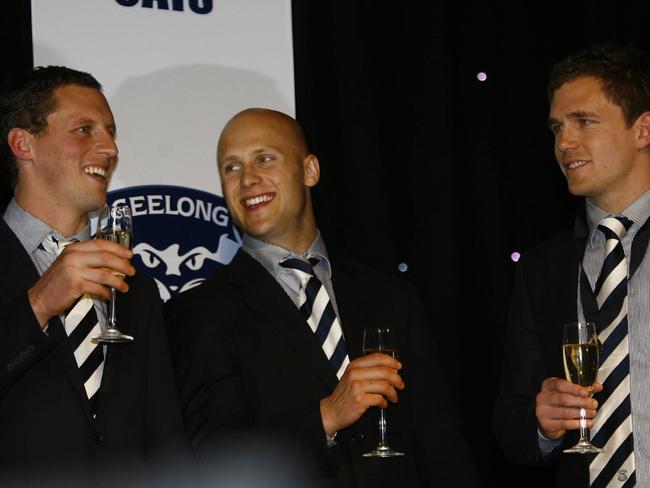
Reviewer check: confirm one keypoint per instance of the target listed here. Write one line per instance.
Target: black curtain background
(425, 165)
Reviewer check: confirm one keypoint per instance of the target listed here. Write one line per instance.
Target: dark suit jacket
(252, 374)
(544, 298)
(47, 434)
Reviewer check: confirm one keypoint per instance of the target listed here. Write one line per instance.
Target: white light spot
(515, 256)
(403, 267)
(481, 76)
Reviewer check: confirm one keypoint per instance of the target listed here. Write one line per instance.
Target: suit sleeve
(524, 369)
(23, 343)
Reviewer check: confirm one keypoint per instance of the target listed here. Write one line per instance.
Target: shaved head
(282, 123)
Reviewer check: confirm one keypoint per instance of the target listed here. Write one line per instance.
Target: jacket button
(99, 438)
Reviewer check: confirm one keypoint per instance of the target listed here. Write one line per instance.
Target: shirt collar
(638, 212)
(270, 255)
(31, 231)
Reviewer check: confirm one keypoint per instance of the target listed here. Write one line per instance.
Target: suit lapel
(263, 294)
(20, 274)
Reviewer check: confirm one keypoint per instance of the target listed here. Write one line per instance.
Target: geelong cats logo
(181, 235)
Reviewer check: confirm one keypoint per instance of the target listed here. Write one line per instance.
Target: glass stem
(382, 428)
(584, 431)
(111, 310)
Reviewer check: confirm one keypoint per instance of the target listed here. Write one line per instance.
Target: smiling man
(599, 272)
(268, 351)
(73, 412)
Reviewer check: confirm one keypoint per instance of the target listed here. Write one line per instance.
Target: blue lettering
(205, 8)
(197, 6)
(162, 4)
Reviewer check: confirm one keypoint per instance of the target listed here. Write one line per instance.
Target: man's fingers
(96, 259)
(561, 385)
(382, 373)
(565, 400)
(376, 388)
(99, 245)
(563, 413)
(597, 388)
(376, 359)
(102, 279)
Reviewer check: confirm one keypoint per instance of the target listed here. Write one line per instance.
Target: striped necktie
(315, 304)
(612, 428)
(81, 324)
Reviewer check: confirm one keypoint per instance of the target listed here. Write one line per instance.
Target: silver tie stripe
(314, 303)
(81, 324)
(612, 428)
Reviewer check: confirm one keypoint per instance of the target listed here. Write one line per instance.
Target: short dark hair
(623, 69)
(27, 100)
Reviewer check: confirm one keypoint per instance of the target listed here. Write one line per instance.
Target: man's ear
(312, 170)
(643, 140)
(20, 143)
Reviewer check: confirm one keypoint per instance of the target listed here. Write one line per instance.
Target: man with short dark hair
(74, 412)
(598, 272)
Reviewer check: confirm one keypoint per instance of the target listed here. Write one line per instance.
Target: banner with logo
(173, 71)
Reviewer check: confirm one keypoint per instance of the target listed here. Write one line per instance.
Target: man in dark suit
(600, 118)
(82, 414)
(253, 376)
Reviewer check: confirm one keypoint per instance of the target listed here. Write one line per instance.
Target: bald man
(256, 379)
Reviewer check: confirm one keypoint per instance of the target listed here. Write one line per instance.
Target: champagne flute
(116, 225)
(580, 353)
(380, 340)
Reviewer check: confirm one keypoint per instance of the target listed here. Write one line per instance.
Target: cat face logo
(176, 264)
(180, 235)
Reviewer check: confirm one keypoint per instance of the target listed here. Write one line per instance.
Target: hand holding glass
(380, 340)
(581, 362)
(114, 224)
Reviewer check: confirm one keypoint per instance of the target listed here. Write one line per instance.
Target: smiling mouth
(96, 171)
(254, 201)
(575, 164)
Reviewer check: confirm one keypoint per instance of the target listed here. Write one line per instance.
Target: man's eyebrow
(578, 114)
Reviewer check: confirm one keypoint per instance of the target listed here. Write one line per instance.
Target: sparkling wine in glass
(381, 340)
(581, 360)
(114, 224)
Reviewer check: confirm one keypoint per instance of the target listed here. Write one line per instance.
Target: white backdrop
(172, 78)
(173, 71)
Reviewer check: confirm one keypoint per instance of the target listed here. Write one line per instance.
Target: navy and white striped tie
(612, 428)
(81, 325)
(315, 304)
